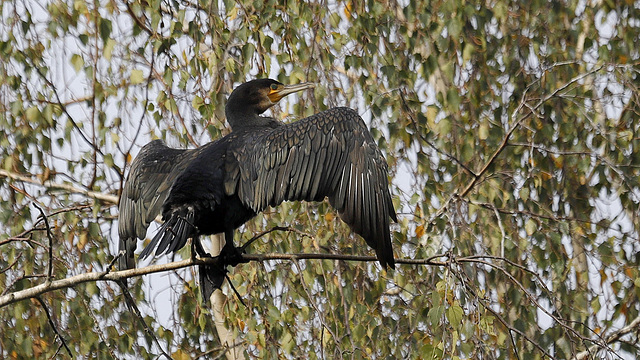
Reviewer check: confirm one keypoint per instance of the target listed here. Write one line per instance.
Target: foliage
(510, 129)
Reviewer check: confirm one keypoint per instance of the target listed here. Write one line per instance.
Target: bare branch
(12, 264)
(108, 275)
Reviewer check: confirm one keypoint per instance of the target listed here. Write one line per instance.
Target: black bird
(218, 187)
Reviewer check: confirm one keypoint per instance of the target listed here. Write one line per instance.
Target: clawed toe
(232, 255)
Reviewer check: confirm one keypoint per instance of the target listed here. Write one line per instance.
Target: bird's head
(256, 96)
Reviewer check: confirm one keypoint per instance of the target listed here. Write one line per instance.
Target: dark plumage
(263, 162)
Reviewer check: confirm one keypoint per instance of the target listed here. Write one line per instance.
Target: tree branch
(125, 274)
(50, 185)
(505, 140)
(134, 308)
(118, 276)
(614, 336)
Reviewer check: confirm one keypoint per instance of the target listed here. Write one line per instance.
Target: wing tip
(387, 260)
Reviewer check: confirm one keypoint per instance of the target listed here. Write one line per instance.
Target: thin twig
(614, 336)
(50, 237)
(497, 315)
(265, 232)
(310, 299)
(53, 325)
(96, 327)
(12, 264)
(505, 140)
(431, 144)
(63, 106)
(134, 308)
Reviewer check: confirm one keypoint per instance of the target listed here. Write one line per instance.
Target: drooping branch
(45, 219)
(134, 308)
(464, 190)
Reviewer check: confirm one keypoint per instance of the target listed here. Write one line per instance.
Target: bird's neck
(247, 118)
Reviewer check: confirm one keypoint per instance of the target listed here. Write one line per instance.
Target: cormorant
(218, 187)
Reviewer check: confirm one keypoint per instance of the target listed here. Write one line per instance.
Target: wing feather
(147, 187)
(330, 154)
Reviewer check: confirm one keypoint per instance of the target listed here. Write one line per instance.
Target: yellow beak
(284, 90)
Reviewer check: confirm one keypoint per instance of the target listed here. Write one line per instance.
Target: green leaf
(108, 49)
(435, 314)
(33, 114)
(77, 62)
(137, 76)
(454, 315)
(530, 227)
(105, 29)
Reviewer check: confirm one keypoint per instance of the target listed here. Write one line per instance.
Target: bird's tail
(173, 234)
(126, 248)
(211, 276)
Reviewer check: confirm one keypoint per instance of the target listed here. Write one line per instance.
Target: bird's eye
(274, 86)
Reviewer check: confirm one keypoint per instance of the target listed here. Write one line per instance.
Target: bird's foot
(232, 255)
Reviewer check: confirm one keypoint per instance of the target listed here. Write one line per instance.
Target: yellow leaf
(432, 113)
(629, 272)
(180, 355)
(530, 227)
(420, 231)
(108, 49)
(558, 161)
(483, 131)
(32, 114)
(233, 14)
(329, 216)
(347, 8)
(83, 240)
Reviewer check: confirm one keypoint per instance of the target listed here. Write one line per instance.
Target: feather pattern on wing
(330, 154)
(150, 179)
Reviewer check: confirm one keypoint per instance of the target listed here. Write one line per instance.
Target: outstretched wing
(152, 174)
(330, 154)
